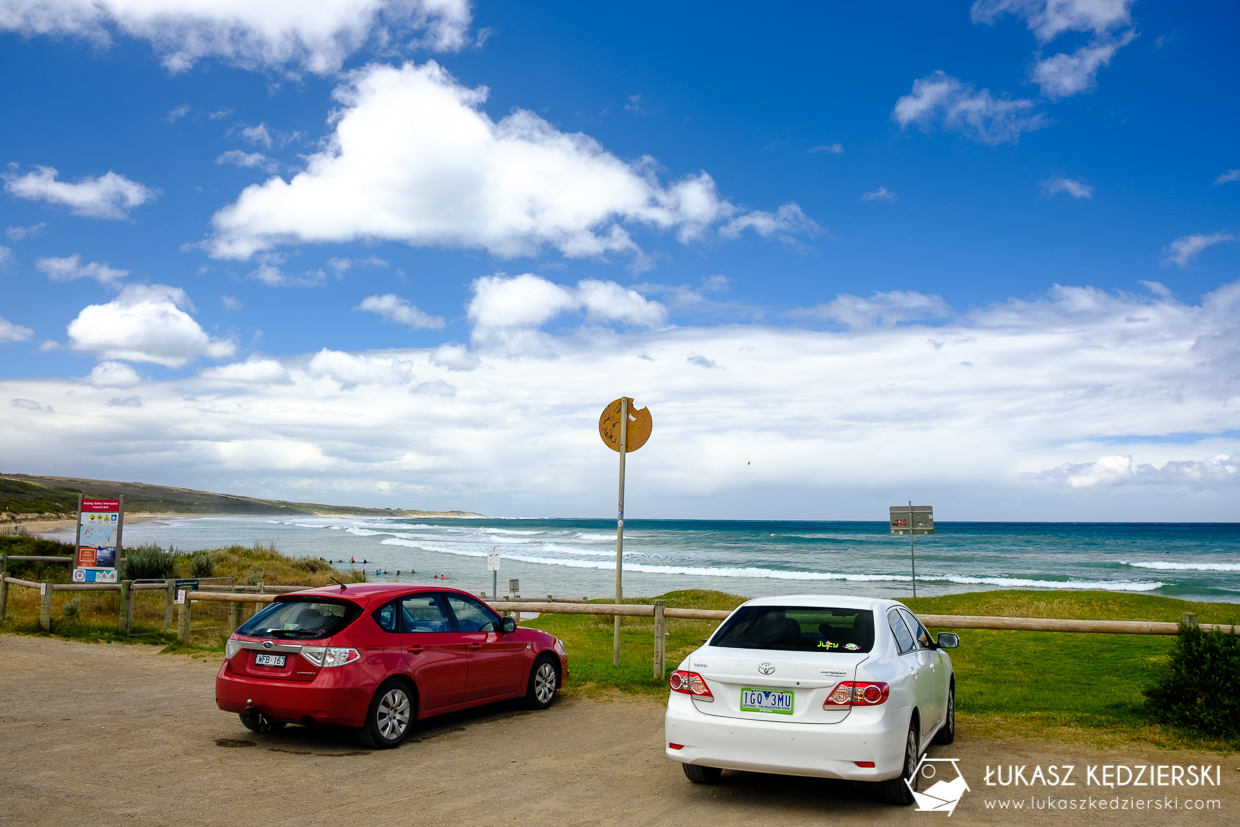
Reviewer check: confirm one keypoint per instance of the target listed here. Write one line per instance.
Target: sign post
(912, 519)
(493, 567)
(98, 540)
(623, 429)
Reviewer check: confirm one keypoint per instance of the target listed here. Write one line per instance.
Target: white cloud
(10, 332)
(1226, 178)
(316, 35)
(253, 371)
(1122, 470)
(454, 357)
(834, 149)
(635, 105)
(257, 135)
(177, 112)
(395, 309)
(1183, 250)
(6, 257)
(146, 323)
(250, 160)
(22, 233)
(415, 159)
(887, 308)
(785, 223)
(839, 424)
(71, 268)
(1064, 75)
(113, 375)
(1048, 19)
(950, 102)
(880, 194)
(507, 310)
(350, 370)
(702, 362)
(1069, 185)
(108, 196)
(30, 405)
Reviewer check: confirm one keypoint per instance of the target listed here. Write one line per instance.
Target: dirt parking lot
(104, 734)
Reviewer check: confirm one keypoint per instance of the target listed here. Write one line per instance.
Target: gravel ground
(105, 734)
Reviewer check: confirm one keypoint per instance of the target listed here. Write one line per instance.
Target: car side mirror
(947, 640)
(507, 624)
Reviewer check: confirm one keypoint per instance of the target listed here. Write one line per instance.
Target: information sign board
(98, 540)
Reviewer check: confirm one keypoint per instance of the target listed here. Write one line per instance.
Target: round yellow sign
(640, 424)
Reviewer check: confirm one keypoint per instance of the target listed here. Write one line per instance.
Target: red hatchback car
(377, 657)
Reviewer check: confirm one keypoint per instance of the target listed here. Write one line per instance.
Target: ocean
(576, 557)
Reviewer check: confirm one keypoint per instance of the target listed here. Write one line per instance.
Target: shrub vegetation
(1197, 687)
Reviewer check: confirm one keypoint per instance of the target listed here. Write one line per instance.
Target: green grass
(1083, 688)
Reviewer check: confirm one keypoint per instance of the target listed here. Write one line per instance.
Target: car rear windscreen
(798, 629)
(301, 619)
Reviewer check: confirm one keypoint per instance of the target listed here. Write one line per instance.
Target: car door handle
(415, 649)
(474, 646)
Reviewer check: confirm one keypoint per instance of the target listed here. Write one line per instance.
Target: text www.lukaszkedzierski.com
(1091, 803)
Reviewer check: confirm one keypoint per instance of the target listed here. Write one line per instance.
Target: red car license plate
(269, 660)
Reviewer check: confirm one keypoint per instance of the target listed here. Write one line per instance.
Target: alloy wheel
(392, 714)
(544, 682)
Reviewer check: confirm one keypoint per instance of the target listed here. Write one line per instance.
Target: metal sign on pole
(98, 539)
(493, 567)
(623, 429)
(912, 519)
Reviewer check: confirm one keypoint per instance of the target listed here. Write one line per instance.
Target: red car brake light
(690, 683)
(859, 693)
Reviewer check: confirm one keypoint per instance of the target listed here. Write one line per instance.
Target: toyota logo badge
(766, 668)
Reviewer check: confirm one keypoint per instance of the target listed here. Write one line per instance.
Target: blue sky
(401, 252)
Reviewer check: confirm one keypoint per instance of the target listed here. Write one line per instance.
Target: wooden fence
(659, 611)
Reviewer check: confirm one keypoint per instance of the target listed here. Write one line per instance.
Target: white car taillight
(231, 648)
(328, 656)
(861, 693)
(690, 683)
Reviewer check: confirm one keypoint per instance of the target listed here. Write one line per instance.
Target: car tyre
(390, 716)
(947, 732)
(268, 725)
(544, 680)
(895, 790)
(701, 775)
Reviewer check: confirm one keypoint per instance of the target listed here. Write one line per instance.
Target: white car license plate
(269, 660)
(766, 700)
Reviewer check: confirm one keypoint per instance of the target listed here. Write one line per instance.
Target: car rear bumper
(821, 750)
(336, 696)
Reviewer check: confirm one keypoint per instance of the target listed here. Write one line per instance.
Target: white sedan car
(818, 685)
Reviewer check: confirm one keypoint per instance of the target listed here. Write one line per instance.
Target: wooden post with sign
(126, 623)
(45, 605)
(170, 595)
(623, 429)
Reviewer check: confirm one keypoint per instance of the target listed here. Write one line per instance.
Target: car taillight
(231, 648)
(858, 693)
(690, 683)
(329, 656)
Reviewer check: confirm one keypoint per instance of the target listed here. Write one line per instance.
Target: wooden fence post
(45, 606)
(4, 586)
(185, 618)
(258, 607)
(126, 622)
(1190, 620)
(170, 595)
(234, 616)
(660, 639)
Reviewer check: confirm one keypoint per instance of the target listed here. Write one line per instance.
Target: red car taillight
(860, 693)
(690, 683)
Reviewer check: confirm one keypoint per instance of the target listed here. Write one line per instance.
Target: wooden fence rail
(658, 611)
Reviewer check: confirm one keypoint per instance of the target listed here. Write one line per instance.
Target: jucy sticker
(766, 700)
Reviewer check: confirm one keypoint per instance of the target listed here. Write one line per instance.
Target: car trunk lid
(777, 686)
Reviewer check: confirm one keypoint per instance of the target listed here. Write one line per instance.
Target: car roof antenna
(342, 586)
